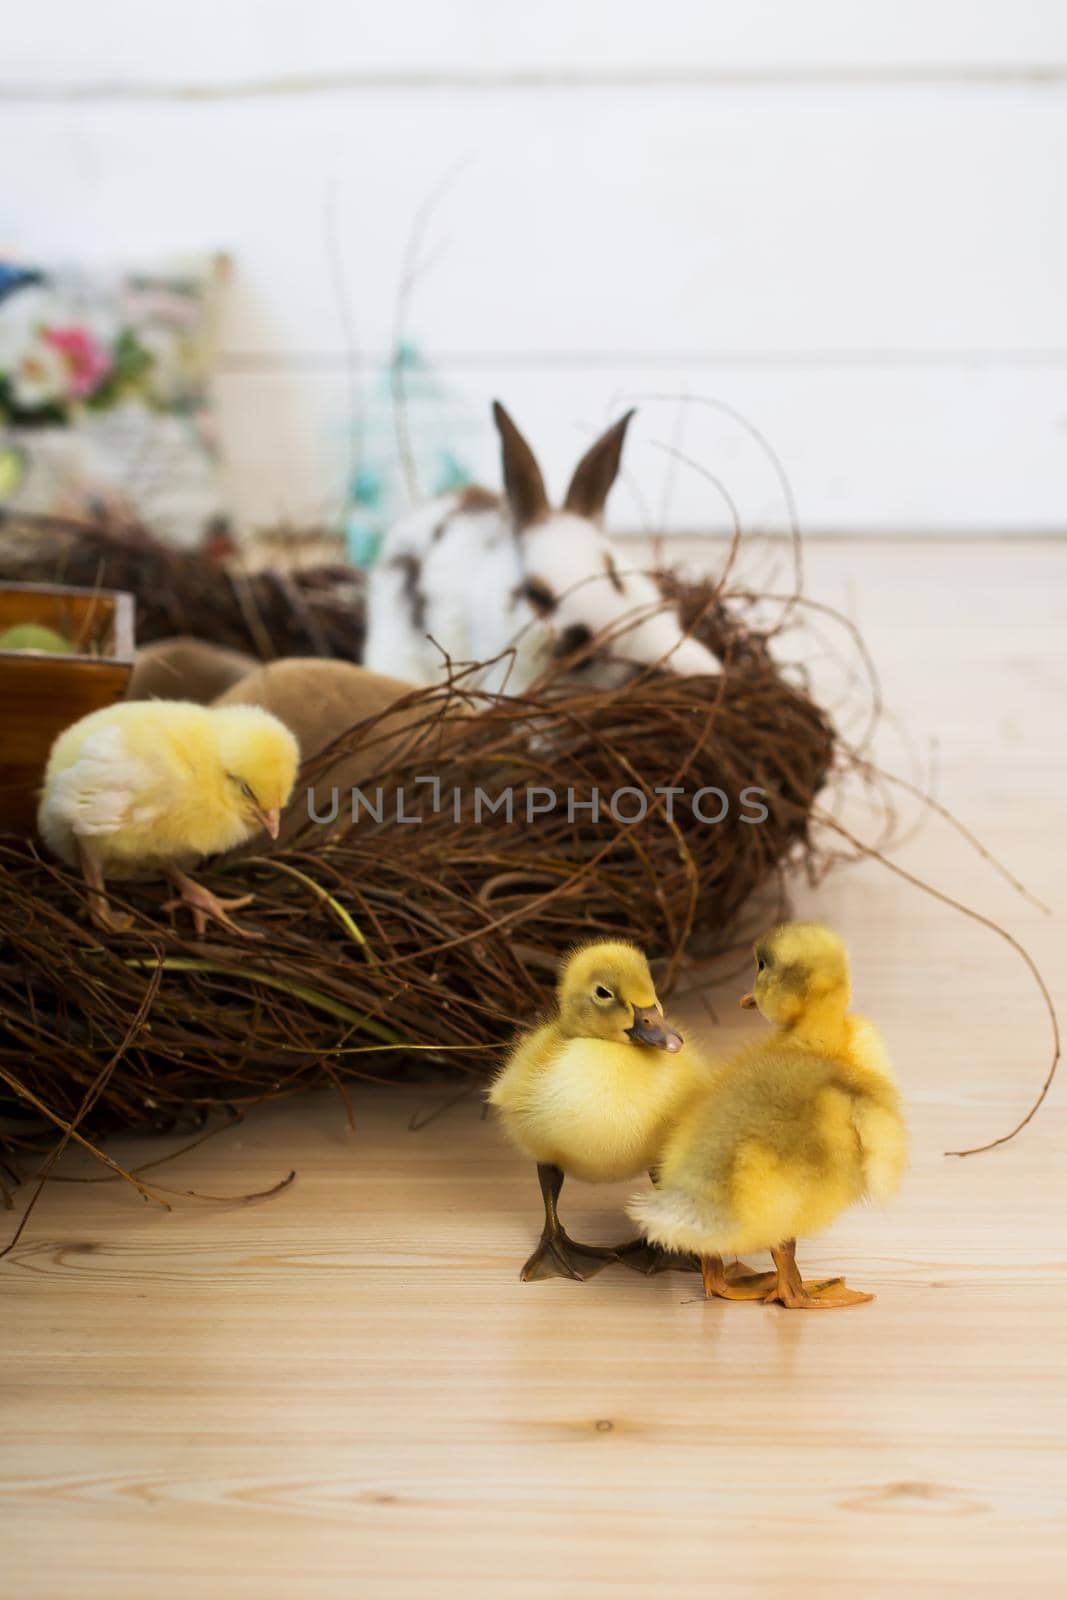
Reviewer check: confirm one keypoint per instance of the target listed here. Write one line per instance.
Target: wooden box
(40, 695)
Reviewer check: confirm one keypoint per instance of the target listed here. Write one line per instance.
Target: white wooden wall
(847, 220)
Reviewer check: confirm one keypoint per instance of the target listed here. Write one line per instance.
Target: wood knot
(907, 1496)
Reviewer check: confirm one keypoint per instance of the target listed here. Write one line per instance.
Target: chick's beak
(650, 1028)
(271, 819)
(747, 1002)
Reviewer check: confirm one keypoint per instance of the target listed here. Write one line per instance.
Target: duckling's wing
(868, 1049)
(528, 1057)
(883, 1142)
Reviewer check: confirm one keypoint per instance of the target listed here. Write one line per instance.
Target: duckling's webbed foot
(557, 1255)
(735, 1282)
(640, 1256)
(791, 1291)
(828, 1296)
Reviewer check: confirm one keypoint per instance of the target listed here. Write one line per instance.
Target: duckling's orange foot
(744, 1284)
(557, 1256)
(832, 1294)
(640, 1256)
(735, 1282)
(792, 1292)
(204, 904)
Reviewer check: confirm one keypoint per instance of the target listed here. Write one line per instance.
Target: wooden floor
(344, 1393)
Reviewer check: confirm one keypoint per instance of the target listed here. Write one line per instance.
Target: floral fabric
(104, 407)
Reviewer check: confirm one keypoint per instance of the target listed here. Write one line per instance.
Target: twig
(1002, 933)
(412, 269)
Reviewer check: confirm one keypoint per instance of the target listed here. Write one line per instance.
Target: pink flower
(87, 361)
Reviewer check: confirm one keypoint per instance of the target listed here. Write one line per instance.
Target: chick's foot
(107, 919)
(204, 904)
(100, 911)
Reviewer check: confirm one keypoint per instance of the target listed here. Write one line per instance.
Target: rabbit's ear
(596, 472)
(523, 483)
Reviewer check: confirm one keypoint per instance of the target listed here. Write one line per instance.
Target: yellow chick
(152, 786)
(591, 1092)
(788, 1134)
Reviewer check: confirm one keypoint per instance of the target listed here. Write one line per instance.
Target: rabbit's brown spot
(613, 573)
(539, 595)
(571, 640)
(475, 498)
(411, 568)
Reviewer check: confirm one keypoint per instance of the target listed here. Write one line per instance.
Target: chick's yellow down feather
(787, 1134)
(153, 786)
(591, 1092)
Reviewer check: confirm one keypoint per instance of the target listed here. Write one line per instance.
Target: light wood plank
(345, 1391)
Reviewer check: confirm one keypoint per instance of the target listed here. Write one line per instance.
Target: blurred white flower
(22, 315)
(39, 377)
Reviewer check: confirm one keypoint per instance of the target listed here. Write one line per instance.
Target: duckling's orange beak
(650, 1028)
(271, 819)
(747, 1002)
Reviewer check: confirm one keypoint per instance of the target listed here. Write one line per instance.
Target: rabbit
(475, 577)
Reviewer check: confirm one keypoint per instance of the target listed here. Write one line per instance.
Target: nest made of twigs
(391, 938)
(391, 943)
(269, 614)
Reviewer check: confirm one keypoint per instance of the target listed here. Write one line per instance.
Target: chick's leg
(204, 904)
(792, 1292)
(558, 1256)
(99, 907)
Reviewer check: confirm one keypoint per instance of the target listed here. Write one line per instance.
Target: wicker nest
(269, 614)
(391, 937)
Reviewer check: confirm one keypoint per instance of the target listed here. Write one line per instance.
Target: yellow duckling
(788, 1134)
(592, 1091)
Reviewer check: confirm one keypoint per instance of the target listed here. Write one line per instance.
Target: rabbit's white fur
(468, 578)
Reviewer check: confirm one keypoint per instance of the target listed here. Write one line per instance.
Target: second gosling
(790, 1132)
